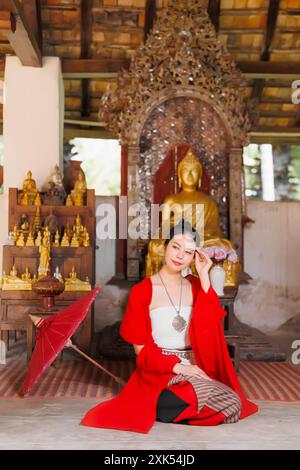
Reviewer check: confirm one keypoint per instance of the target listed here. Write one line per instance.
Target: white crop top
(164, 335)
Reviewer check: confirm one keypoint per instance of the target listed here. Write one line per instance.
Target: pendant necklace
(179, 322)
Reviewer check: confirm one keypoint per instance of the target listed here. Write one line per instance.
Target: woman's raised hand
(191, 370)
(203, 262)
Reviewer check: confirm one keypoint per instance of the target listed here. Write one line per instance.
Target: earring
(179, 182)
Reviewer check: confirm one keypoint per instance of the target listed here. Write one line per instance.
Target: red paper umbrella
(54, 334)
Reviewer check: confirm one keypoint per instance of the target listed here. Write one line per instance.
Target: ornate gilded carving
(182, 57)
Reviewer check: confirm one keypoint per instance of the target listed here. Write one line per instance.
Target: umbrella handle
(117, 379)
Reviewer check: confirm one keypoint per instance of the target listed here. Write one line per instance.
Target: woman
(184, 373)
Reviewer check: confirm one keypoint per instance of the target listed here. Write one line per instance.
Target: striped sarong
(212, 393)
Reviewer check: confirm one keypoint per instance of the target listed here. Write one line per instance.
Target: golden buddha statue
(86, 238)
(21, 240)
(56, 239)
(37, 200)
(78, 227)
(38, 240)
(65, 240)
(29, 191)
(44, 251)
(72, 283)
(47, 234)
(26, 275)
(75, 241)
(25, 200)
(30, 240)
(184, 205)
(13, 273)
(15, 234)
(79, 190)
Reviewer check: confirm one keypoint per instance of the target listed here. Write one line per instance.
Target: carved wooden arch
(234, 156)
(157, 99)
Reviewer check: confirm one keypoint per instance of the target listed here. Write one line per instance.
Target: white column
(33, 122)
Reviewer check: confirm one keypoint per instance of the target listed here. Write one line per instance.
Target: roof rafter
(150, 12)
(273, 10)
(23, 39)
(213, 10)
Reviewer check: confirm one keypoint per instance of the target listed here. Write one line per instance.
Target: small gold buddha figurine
(13, 273)
(79, 190)
(30, 240)
(86, 238)
(21, 240)
(15, 234)
(38, 240)
(72, 283)
(37, 200)
(75, 241)
(25, 200)
(26, 275)
(78, 227)
(193, 205)
(56, 239)
(29, 190)
(47, 234)
(232, 269)
(69, 201)
(65, 240)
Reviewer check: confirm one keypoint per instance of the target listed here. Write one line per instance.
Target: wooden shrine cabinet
(16, 305)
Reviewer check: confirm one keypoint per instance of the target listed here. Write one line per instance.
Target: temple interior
(118, 118)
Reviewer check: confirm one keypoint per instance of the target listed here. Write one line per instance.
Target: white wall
(32, 120)
(33, 116)
(272, 258)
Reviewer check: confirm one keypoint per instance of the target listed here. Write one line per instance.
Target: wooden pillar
(132, 193)
(235, 200)
(121, 260)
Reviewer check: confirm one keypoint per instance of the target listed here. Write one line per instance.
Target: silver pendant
(179, 323)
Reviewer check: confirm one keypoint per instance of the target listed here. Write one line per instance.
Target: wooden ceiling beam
(32, 10)
(276, 131)
(269, 68)
(150, 13)
(213, 10)
(85, 51)
(270, 30)
(22, 40)
(103, 68)
(273, 10)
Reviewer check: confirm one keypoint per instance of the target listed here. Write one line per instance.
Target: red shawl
(134, 409)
